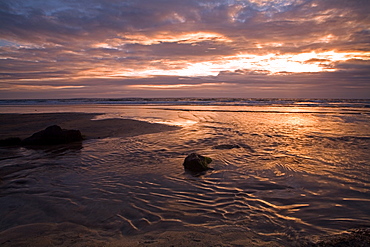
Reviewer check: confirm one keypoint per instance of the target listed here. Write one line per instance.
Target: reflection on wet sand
(278, 178)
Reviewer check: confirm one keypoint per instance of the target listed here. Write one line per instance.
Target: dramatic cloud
(173, 48)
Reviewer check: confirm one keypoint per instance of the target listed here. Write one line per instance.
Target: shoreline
(24, 125)
(71, 234)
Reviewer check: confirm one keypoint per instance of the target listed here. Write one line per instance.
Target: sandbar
(24, 125)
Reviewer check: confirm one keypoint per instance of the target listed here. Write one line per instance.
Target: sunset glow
(110, 48)
(271, 63)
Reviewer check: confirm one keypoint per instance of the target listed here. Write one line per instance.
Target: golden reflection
(178, 122)
(297, 120)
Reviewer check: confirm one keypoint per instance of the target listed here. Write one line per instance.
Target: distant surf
(357, 103)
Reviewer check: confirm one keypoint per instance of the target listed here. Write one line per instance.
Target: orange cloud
(177, 86)
(162, 37)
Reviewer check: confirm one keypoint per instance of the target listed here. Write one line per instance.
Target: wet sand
(69, 234)
(24, 125)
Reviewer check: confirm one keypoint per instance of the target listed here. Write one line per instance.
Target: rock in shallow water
(53, 135)
(196, 163)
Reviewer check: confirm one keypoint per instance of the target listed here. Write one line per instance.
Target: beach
(281, 176)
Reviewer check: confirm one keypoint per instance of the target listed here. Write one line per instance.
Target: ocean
(283, 169)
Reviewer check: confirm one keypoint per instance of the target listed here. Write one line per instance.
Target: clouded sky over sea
(184, 48)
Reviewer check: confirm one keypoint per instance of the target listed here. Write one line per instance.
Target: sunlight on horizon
(241, 64)
(310, 62)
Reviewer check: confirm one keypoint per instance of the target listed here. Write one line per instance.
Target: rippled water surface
(282, 173)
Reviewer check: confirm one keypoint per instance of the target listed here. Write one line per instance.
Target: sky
(184, 48)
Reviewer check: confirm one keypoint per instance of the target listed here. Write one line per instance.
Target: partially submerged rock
(196, 163)
(53, 135)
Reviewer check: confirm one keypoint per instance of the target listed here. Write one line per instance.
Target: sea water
(282, 169)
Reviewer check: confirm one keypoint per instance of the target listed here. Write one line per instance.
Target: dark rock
(53, 135)
(196, 163)
(12, 141)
